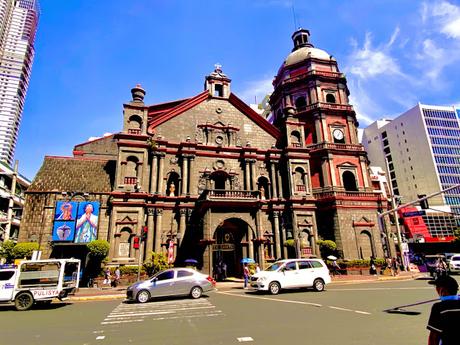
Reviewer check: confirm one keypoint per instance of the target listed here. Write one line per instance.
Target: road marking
(294, 302)
(242, 339)
(161, 310)
(380, 289)
(101, 337)
(271, 299)
(339, 308)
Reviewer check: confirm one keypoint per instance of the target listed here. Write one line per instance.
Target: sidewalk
(107, 293)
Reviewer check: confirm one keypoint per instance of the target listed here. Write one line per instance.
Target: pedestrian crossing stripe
(162, 310)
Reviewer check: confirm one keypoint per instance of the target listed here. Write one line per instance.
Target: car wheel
(318, 285)
(196, 292)
(23, 301)
(143, 296)
(274, 288)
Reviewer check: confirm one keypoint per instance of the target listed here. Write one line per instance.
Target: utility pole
(9, 218)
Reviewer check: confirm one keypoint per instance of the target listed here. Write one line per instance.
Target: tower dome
(303, 49)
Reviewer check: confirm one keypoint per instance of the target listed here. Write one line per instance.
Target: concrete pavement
(107, 293)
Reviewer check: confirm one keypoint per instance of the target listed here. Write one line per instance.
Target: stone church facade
(208, 178)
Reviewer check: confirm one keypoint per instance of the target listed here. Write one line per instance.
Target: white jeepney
(38, 281)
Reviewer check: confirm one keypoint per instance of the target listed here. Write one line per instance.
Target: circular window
(219, 140)
(218, 110)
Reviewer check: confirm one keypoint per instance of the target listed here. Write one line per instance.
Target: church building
(209, 179)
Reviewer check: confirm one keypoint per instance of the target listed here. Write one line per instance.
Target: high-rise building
(421, 151)
(18, 25)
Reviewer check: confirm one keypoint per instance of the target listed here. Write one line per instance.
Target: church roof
(159, 118)
(74, 175)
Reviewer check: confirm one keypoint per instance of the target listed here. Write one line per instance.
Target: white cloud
(369, 61)
(446, 17)
(256, 90)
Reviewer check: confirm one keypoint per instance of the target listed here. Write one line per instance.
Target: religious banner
(171, 252)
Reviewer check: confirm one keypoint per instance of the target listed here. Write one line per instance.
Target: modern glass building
(420, 150)
(18, 25)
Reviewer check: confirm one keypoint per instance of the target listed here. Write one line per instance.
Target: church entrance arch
(230, 247)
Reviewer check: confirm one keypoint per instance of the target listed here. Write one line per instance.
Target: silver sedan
(171, 282)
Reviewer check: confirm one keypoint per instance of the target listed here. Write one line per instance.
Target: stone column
(253, 174)
(273, 193)
(153, 174)
(247, 185)
(351, 130)
(325, 171)
(280, 182)
(276, 223)
(160, 174)
(158, 230)
(182, 225)
(151, 230)
(319, 132)
(330, 162)
(193, 186)
(185, 175)
(365, 172)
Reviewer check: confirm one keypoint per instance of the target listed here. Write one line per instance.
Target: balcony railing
(130, 180)
(335, 146)
(296, 144)
(327, 74)
(213, 194)
(324, 193)
(328, 106)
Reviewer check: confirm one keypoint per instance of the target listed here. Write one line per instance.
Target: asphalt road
(344, 314)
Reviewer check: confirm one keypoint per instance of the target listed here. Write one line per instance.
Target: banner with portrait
(76, 221)
(87, 222)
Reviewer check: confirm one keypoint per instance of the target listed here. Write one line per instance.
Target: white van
(291, 273)
(41, 281)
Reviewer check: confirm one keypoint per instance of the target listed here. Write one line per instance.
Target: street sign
(414, 214)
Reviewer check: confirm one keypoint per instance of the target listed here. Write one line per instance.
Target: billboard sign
(75, 221)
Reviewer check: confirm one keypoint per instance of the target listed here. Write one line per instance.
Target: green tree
(24, 250)
(6, 251)
(98, 249)
(156, 262)
(327, 247)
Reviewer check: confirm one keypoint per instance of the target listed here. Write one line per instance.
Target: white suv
(454, 263)
(291, 273)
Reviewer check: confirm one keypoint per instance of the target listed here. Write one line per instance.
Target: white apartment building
(18, 25)
(421, 151)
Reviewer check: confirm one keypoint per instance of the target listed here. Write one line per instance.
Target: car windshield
(455, 258)
(274, 267)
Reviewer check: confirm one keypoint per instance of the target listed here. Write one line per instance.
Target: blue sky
(90, 53)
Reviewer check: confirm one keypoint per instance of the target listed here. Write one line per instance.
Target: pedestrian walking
(444, 316)
(394, 267)
(245, 275)
(224, 270)
(117, 279)
(372, 267)
(335, 268)
(257, 268)
(107, 276)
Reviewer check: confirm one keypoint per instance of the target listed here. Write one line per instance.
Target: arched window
(124, 246)
(264, 188)
(131, 170)
(295, 138)
(219, 179)
(172, 186)
(330, 98)
(300, 103)
(349, 181)
(135, 124)
(300, 180)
